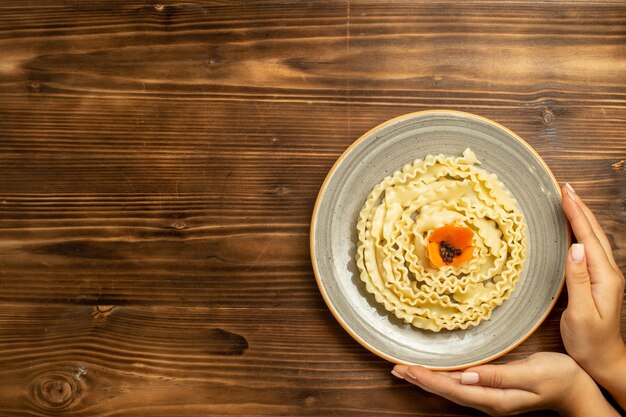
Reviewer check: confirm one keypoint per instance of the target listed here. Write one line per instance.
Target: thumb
(577, 278)
(511, 375)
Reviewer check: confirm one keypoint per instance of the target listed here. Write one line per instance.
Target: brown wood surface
(159, 163)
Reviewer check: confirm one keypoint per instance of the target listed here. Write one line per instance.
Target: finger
(595, 226)
(451, 374)
(399, 371)
(580, 297)
(596, 257)
(512, 375)
(468, 395)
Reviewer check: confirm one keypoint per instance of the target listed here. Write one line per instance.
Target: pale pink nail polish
(569, 187)
(469, 378)
(578, 252)
(396, 374)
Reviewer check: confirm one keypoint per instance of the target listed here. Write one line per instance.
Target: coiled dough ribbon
(394, 227)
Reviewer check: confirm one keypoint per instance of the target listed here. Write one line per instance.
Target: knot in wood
(281, 191)
(159, 7)
(548, 117)
(102, 311)
(55, 391)
(179, 224)
(35, 87)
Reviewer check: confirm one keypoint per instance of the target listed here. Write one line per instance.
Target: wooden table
(159, 163)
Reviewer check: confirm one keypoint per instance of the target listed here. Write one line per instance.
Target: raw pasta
(394, 227)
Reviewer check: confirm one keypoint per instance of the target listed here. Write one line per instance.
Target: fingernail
(578, 252)
(469, 378)
(396, 374)
(569, 187)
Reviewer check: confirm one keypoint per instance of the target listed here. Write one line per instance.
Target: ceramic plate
(386, 149)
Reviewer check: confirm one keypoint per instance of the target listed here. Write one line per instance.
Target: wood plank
(159, 361)
(518, 54)
(113, 217)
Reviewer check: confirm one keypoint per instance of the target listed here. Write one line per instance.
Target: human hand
(541, 381)
(590, 326)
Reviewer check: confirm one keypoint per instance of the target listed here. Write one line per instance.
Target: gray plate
(386, 149)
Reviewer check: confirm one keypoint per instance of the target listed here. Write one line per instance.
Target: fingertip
(470, 378)
(397, 374)
(576, 263)
(401, 369)
(571, 208)
(494, 376)
(577, 253)
(477, 375)
(577, 276)
(564, 190)
(571, 198)
(566, 198)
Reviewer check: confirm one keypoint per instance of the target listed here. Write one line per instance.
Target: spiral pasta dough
(397, 222)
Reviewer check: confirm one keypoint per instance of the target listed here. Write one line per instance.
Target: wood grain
(222, 361)
(159, 164)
